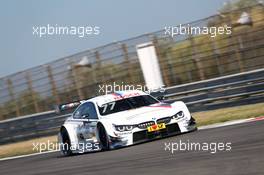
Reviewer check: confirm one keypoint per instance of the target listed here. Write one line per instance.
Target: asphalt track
(245, 158)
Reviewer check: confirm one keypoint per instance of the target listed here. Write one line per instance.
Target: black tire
(66, 148)
(103, 138)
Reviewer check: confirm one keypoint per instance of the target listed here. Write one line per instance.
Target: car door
(78, 121)
(89, 116)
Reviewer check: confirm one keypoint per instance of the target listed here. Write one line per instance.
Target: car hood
(139, 115)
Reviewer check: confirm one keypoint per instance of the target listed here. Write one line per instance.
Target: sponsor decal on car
(156, 127)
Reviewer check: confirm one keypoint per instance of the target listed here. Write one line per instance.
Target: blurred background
(183, 59)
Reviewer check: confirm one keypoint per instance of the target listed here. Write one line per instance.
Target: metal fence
(226, 91)
(182, 58)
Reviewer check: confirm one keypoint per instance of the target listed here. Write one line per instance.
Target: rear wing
(68, 106)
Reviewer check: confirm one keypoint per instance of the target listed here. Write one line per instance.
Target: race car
(121, 119)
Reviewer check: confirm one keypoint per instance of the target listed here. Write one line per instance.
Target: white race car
(121, 119)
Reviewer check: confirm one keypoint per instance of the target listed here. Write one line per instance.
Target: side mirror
(159, 95)
(160, 98)
(85, 116)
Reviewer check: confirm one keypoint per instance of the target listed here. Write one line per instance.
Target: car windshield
(126, 104)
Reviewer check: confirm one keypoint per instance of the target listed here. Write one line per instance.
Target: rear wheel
(66, 146)
(103, 138)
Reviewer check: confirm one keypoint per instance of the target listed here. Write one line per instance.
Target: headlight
(122, 128)
(179, 115)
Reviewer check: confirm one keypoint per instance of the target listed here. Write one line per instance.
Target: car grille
(165, 120)
(145, 124)
(144, 135)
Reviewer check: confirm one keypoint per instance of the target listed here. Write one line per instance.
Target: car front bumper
(143, 135)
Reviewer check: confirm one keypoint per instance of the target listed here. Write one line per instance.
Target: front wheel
(104, 140)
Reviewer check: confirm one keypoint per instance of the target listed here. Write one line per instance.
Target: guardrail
(227, 91)
(233, 90)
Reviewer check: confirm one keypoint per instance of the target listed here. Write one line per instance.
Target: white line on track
(27, 155)
(216, 125)
(228, 123)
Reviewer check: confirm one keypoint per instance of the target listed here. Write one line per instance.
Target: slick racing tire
(66, 148)
(104, 140)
